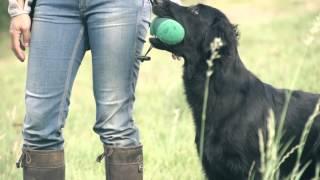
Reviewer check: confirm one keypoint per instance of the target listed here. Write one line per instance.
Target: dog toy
(167, 30)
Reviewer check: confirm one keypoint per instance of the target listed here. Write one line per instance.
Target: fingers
(26, 37)
(20, 35)
(15, 44)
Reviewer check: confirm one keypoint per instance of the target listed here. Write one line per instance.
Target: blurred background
(271, 46)
(4, 18)
(4, 26)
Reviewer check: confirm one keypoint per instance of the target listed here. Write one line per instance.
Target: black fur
(32, 6)
(238, 102)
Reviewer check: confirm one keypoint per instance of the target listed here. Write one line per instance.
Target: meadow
(271, 46)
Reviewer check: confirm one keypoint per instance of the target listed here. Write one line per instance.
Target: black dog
(238, 102)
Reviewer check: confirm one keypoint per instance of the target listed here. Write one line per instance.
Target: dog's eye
(194, 10)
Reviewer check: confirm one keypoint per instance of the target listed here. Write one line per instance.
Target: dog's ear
(224, 30)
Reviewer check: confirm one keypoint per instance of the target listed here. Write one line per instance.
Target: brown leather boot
(42, 164)
(123, 163)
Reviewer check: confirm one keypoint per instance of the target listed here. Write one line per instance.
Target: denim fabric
(61, 33)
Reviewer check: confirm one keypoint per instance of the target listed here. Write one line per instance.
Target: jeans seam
(131, 88)
(68, 78)
(139, 18)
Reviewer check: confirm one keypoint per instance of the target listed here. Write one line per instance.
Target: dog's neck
(229, 73)
(229, 82)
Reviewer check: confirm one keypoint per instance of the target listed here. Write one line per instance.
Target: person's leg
(113, 30)
(143, 27)
(56, 51)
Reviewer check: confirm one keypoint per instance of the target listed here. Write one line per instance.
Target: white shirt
(14, 9)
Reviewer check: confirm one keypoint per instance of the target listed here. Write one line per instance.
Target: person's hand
(20, 35)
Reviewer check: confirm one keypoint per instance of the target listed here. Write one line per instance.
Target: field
(271, 46)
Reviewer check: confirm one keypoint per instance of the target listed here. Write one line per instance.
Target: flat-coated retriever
(239, 103)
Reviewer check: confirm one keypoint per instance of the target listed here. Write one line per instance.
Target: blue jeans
(62, 31)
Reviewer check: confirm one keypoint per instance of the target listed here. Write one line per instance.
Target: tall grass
(271, 159)
(161, 112)
(215, 45)
(272, 153)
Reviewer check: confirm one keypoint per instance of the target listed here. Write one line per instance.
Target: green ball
(167, 30)
(155, 25)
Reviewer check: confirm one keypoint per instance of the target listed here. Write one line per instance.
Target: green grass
(270, 46)
(4, 15)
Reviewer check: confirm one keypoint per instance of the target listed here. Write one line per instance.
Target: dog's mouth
(157, 43)
(162, 9)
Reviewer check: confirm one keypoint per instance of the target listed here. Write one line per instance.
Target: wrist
(18, 13)
(18, 7)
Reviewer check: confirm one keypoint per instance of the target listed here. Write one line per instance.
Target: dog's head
(202, 24)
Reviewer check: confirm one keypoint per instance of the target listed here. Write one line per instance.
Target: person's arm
(20, 26)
